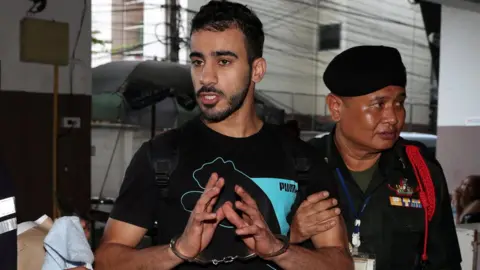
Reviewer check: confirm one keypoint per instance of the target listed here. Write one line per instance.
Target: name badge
(7, 207)
(364, 262)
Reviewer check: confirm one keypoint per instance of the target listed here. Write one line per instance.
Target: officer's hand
(202, 222)
(315, 215)
(251, 226)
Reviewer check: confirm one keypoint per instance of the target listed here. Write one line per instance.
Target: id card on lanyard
(362, 261)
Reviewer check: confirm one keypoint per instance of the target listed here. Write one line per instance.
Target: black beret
(363, 70)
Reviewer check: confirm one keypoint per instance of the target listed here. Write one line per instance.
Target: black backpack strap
(164, 159)
(163, 155)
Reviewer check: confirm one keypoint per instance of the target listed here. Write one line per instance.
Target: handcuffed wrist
(286, 244)
(173, 248)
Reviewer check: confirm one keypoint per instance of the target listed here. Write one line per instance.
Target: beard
(235, 102)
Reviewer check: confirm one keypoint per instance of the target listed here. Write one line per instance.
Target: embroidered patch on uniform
(403, 189)
(405, 202)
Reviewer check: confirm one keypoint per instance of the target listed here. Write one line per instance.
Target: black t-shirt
(8, 222)
(258, 163)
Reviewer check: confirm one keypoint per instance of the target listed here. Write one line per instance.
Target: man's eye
(378, 105)
(224, 62)
(196, 63)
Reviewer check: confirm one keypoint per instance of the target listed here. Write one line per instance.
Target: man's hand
(251, 226)
(314, 216)
(202, 222)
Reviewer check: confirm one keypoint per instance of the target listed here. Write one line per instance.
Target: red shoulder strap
(427, 189)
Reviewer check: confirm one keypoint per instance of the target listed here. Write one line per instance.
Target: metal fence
(314, 107)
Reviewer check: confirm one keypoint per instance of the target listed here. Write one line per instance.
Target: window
(329, 36)
(133, 39)
(132, 2)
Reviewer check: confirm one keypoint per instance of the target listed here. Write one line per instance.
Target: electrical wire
(75, 46)
(73, 61)
(306, 47)
(268, 13)
(401, 39)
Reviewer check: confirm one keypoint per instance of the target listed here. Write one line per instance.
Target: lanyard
(357, 215)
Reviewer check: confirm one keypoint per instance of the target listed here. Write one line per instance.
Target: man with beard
(236, 184)
(393, 194)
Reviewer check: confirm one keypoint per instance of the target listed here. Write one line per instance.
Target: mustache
(206, 90)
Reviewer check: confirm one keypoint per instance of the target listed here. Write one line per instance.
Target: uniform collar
(388, 157)
(389, 163)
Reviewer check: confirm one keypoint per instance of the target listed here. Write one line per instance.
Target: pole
(173, 42)
(173, 46)
(55, 213)
(315, 51)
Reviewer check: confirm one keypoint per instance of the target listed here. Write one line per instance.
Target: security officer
(393, 195)
(8, 222)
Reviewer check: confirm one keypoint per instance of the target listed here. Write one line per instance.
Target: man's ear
(259, 67)
(335, 104)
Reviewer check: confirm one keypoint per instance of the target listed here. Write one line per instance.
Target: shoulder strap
(163, 155)
(164, 159)
(427, 188)
(424, 178)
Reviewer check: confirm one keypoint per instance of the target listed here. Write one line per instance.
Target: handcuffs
(229, 259)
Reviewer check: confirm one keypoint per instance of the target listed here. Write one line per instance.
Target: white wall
(29, 77)
(104, 139)
(459, 93)
(457, 147)
(290, 47)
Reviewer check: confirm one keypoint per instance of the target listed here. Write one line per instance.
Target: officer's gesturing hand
(251, 226)
(202, 222)
(315, 215)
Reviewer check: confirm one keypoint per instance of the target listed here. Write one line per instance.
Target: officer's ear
(335, 105)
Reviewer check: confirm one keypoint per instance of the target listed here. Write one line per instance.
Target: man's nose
(390, 115)
(209, 75)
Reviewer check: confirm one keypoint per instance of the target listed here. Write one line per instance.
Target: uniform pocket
(406, 219)
(406, 227)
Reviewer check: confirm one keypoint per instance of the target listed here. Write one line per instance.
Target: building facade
(302, 36)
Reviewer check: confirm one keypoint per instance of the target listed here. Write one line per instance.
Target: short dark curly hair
(222, 15)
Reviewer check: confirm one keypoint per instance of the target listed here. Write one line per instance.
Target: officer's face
(222, 76)
(373, 121)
